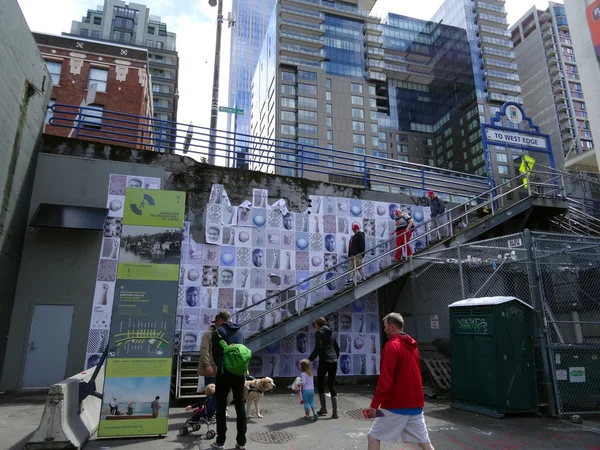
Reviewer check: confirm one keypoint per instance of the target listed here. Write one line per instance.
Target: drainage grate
(356, 414)
(272, 437)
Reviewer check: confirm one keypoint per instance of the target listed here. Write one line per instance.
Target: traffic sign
(225, 109)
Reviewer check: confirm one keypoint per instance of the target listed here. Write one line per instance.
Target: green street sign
(225, 109)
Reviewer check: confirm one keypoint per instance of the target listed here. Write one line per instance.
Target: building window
(402, 138)
(92, 116)
(288, 129)
(356, 100)
(288, 102)
(100, 77)
(309, 89)
(307, 76)
(328, 108)
(54, 67)
(95, 34)
(402, 148)
(329, 135)
(357, 88)
(373, 103)
(328, 83)
(359, 139)
(358, 126)
(83, 32)
(329, 122)
(502, 157)
(358, 113)
(307, 102)
(328, 96)
(375, 129)
(127, 37)
(372, 90)
(288, 89)
(288, 115)
(149, 43)
(116, 35)
(308, 129)
(503, 170)
(160, 45)
(288, 76)
(151, 30)
(307, 115)
(97, 20)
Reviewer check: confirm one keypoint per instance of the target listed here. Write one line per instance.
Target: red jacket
(400, 385)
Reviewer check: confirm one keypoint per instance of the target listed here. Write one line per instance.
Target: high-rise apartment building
(494, 67)
(552, 90)
(584, 21)
(332, 76)
(132, 24)
(251, 20)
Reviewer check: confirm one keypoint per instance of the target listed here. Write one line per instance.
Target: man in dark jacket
(328, 351)
(438, 208)
(231, 333)
(355, 254)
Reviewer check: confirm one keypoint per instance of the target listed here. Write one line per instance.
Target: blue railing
(284, 157)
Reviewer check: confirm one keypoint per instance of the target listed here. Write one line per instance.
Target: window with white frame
(54, 67)
(92, 116)
(98, 76)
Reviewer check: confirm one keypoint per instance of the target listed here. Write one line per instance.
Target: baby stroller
(204, 413)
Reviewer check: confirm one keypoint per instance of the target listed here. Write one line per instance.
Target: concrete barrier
(66, 422)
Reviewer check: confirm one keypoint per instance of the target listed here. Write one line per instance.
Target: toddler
(308, 389)
(205, 408)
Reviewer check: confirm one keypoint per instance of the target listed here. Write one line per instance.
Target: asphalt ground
(283, 427)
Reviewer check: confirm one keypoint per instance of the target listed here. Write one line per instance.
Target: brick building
(122, 80)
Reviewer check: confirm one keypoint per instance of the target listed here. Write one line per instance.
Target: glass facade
(252, 18)
(344, 47)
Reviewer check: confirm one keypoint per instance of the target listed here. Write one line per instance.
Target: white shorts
(393, 426)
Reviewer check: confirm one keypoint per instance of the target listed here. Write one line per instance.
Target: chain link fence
(567, 270)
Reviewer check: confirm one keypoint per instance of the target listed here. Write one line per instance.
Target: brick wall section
(127, 93)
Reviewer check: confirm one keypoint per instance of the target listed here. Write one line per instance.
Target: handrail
(263, 154)
(426, 226)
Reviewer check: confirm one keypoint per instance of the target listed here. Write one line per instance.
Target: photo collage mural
(259, 248)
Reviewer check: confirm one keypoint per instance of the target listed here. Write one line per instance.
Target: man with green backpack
(231, 357)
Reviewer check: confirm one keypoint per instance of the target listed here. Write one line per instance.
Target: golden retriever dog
(254, 390)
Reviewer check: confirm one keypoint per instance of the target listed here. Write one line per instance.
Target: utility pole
(214, 106)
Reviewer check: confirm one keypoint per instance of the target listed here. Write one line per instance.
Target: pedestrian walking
(397, 405)
(328, 352)
(356, 248)
(231, 333)
(438, 208)
(403, 232)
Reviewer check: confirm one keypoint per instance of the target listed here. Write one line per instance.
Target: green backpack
(236, 357)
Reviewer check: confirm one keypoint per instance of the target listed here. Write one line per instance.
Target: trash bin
(577, 377)
(493, 369)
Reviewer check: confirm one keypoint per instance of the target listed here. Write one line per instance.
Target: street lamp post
(214, 107)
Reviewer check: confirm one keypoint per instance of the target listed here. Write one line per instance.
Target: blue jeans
(308, 395)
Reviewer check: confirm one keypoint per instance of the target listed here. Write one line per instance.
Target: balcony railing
(259, 154)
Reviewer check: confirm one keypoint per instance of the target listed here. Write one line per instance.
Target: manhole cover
(272, 437)
(356, 414)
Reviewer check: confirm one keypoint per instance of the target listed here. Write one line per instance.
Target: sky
(194, 21)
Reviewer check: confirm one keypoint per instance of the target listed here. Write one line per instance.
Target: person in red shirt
(397, 404)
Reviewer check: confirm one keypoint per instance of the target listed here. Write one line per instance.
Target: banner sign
(593, 17)
(140, 347)
(515, 138)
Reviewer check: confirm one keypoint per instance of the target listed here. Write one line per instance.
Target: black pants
(328, 369)
(225, 382)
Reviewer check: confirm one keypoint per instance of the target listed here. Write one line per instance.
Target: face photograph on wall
(288, 221)
(117, 185)
(330, 243)
(192, 296)
(189, 341)
(302, 343)
(226, 277)
(213, 234)
(135, 182)
(345, 364)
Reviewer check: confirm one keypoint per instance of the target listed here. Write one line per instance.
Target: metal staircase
(545, 196)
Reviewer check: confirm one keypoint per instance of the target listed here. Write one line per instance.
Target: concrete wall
(25, 86)
(59, 265)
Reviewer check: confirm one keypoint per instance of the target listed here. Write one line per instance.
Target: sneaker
(322, 412)
(316, 416)
(334, 415)
(215, 444)
(240, 447)
(307, 417)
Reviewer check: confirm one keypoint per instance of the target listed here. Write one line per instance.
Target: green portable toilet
(493, 369)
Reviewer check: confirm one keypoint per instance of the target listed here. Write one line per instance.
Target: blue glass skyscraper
(252, 18)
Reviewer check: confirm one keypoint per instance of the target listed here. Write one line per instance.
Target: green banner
(138, 369)
(154, 208)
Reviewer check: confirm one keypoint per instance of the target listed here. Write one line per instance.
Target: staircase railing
(544, 184)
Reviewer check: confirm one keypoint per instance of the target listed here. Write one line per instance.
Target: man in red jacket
(399, 391)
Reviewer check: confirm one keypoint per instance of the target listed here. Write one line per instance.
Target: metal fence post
(79, 117)
(365, 182)
(301, 161)
(460, 272)
(538, 320)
